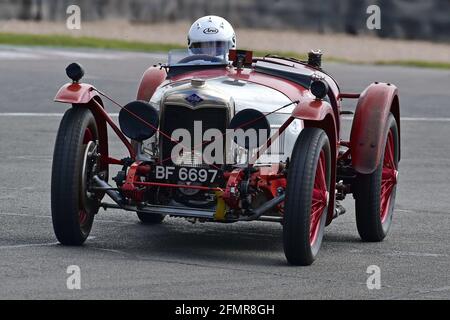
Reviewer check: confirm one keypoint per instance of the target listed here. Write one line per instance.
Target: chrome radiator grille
(177, 117)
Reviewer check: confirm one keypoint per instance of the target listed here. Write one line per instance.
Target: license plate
(186, 174)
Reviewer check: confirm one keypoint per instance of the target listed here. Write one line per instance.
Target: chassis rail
(255, 214)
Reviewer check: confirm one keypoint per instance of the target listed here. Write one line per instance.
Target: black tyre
(75, 161)
(375, 193)
(307, 196)
(150, 218)
(147, 218)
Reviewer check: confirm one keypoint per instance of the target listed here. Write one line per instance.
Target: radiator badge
(194, 99)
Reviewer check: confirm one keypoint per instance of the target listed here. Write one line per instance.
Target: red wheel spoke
(389, 152)
(385, 192)
(82, 215)
(319, 197)
(87, 136)
(320, 181)
(388, 176)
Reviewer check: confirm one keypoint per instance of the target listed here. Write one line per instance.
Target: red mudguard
(319, 113)
(150, 81)
(314, 110)
(84, 94)
(77, 93)
(369, 125)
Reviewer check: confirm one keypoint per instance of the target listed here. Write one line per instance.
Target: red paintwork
(82, 216)
(292, 90)
(329, 126)
(151, 80)
(369, 126)
(233, 181)
(319, 198)
(233, 56)
(365, 148)
(77, 93)
(87, 136)
(388, 176)
(96, 109)
(271, 139)
(311, 109)
(270, 179)
(133, 181)
(343, 95)
(173, 185)
(83, 93)
(102, 114)
(267, 179)
(331, 82)
(129, 188)
(114, 161)
(315, 114)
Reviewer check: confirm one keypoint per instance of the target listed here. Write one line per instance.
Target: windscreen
(189, 57)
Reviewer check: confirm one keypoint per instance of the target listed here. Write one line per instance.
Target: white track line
(33, 114)
(18, 246)
(40, 114)
(13, 214)
(431, 119)
(29, 114)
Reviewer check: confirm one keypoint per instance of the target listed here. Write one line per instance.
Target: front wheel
(75, 162)
(307, 196)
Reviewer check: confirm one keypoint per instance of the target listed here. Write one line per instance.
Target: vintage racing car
(229, 140)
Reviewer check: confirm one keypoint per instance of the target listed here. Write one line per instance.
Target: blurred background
(410, 30)
(178, 260)
(405, 19)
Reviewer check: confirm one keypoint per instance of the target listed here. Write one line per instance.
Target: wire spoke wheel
(388, 176)
(375, 192)
(319, 198)
(88, 200)
(307, 197)
(75, 162)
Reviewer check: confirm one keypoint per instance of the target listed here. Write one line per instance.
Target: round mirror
(138, 120)
(255, 129)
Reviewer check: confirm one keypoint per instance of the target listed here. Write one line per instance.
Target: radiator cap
(198, 82)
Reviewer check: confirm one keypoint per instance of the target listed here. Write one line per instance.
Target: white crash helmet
(211, 35)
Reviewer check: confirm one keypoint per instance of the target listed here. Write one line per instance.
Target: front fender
(313, 110)
(76, 93)
(369, 125)
(83, 95)
(319, 114)
(151, 80)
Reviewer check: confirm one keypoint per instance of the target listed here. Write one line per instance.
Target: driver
(213, 36)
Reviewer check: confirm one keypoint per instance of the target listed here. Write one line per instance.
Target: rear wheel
(158, 197)
(375, 192)
(75, 162)
(150, 218)
(307, 196)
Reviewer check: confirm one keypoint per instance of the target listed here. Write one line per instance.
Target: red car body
(351, 160)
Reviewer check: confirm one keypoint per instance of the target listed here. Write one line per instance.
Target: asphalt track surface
(178, 260)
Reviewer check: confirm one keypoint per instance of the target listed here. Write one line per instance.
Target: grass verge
(57, 40)
(85, 42)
